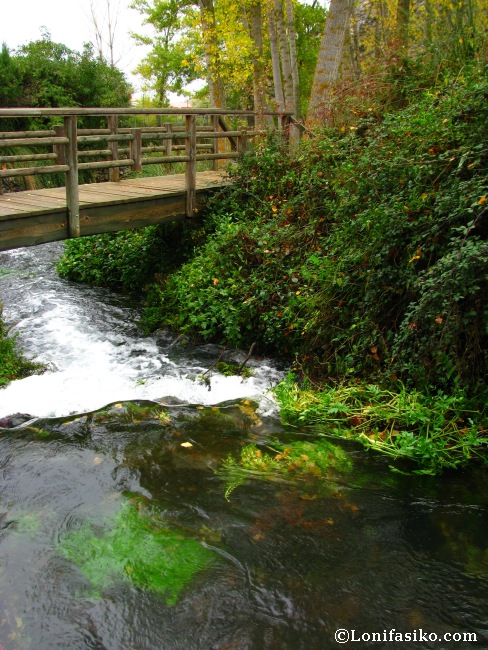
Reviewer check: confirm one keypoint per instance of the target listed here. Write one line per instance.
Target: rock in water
(15, 420)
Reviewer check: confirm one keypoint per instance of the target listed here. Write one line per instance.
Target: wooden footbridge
(190, 138)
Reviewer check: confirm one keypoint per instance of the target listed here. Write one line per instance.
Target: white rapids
(89, 338)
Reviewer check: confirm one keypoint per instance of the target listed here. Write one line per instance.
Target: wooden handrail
(98, 111)
(64, 143)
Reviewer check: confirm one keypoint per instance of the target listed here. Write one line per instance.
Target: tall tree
(275, 60)
(331, 55)
(212, 53)
(292, 41)
(253, 22)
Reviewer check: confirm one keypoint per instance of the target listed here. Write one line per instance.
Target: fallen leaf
(186, 444)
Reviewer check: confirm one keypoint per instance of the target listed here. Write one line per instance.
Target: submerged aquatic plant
(298, 459)
(137, 546)
(434, 431)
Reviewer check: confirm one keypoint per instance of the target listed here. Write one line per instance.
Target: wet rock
(15, 420)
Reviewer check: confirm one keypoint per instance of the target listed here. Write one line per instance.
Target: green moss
(298, 460)
(231, 369)
(139, 547)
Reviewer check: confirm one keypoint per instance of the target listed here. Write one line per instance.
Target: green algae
(301, 459)
(136, 546)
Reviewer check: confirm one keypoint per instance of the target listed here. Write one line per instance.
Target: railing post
(113, 125)
(60, 149)
(191, 165)
(72, 198)
(242, 142)
(169, 143)
(216, 144)
(135, 149)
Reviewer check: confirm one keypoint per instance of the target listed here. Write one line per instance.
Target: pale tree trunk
(327, 70)
(254, 27)
(284, 55)
(292, 39)
(275, 61)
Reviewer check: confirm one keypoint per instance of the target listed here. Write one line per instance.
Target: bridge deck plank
(37, 216)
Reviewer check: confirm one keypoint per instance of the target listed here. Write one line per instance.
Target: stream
(142, 508)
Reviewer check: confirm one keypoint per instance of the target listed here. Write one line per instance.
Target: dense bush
(363, 253)
(130, 259)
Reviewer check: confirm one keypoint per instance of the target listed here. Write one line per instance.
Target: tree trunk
(275, 61)
(292, 40)
(327, 70)
(254, 26)
(284, 55)
(214, 80)
(402, 20)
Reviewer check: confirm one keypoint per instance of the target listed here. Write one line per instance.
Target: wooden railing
(64, 145)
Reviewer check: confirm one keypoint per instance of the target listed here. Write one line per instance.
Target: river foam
(89, 339)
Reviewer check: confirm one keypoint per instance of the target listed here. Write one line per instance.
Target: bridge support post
(72, 197)
(191, 165)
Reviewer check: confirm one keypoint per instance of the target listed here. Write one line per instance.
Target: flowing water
(140, 510)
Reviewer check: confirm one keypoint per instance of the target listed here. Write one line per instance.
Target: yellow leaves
(438, 320)
(164, 418)
(275, 209)
(187, 445)
(215, 282)
(416, 257)
(424, 196)
(482, 201)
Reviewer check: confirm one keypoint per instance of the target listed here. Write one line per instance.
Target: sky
(69, 22)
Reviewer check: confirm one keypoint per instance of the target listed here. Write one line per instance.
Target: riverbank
(13, 363)
(361, 257)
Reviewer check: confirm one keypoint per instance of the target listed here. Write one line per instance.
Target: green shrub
(362, 253)
(126, 260)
